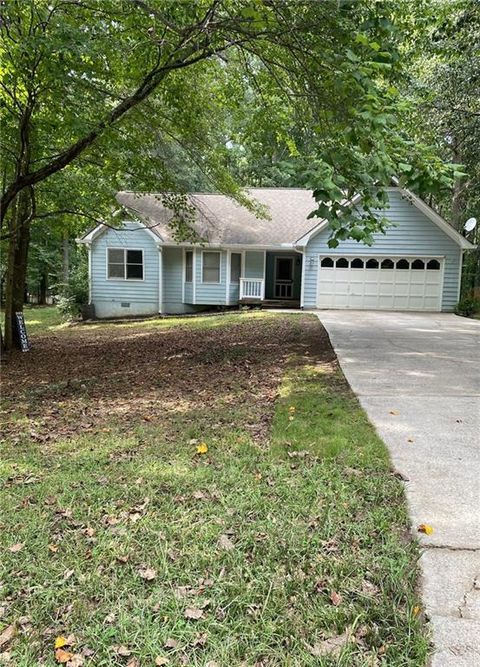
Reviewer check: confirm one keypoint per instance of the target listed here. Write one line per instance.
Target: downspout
(160, 279)
(302, 282)
(89, 248)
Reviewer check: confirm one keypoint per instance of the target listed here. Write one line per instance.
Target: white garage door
(380, 282)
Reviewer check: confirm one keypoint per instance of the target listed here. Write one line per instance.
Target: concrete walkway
(418, 378)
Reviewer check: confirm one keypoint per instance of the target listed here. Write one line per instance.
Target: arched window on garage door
(403, 264)
(327, 263)
(342, 263)
(433, 265)
(357, 263)
(418, 264)
(372, 263)
(387, 264)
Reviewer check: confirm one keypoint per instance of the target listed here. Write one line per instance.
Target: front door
(284, 268)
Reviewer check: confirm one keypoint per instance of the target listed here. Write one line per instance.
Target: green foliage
(74, 294)
(445, 84)
(467, 306)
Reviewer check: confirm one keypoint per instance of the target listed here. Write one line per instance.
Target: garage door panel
(431, 290)
(390, 283)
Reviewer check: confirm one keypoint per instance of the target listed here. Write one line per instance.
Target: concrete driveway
(418, 378)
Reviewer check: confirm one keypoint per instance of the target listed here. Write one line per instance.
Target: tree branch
(150, 82)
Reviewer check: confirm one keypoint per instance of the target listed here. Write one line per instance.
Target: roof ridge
(219, 194)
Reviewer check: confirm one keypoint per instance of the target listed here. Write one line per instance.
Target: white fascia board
(102, 228)
(320, 226)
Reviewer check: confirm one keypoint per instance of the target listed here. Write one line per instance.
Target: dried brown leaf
(193, 613)
(331, 646)
(7, 635)
(225, 543)
(335, 598)
(147, 573)
(62, 656)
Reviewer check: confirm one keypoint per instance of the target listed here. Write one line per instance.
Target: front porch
(280, 285)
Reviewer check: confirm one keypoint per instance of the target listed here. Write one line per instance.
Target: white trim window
(189, 266)
(124, 264)
(210, 266)
(235, 267)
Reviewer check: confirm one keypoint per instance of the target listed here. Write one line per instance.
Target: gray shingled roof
(221, 221)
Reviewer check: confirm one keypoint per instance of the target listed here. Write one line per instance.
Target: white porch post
(160, 280)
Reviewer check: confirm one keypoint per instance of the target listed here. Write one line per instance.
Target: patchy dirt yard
(79, 382)
(203, 492)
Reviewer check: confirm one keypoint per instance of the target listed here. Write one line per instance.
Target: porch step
(271, 303)
(280, 303)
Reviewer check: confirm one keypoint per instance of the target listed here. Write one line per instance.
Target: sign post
(22, 332)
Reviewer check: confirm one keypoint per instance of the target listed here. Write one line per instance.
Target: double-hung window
(189, 266)
(210, 267)
(235, 267)
(124, 264)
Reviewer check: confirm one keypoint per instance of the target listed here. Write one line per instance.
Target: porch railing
(252, 288)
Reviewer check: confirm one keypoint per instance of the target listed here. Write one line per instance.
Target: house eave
(231, 246)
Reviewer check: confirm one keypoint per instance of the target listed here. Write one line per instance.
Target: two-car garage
(380, 282)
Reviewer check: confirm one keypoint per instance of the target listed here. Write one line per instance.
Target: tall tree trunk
(42, 292)
(18, 244)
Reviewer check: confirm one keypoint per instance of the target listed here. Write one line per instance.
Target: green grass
(41, 319)
(311, 508)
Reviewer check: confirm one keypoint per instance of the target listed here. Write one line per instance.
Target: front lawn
(203, 492)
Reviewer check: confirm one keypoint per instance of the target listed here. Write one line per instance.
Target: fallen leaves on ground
(335, 598)
(202, 448)
(425, 528)
(62, 656)
(224, 542)
(147, 573)
(193, 613)
(332, 646)
(169, 365)
(7, 635)
(15, 548)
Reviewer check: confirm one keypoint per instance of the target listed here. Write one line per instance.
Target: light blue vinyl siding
(234, 293)
(188, 293)
(211, 293)
(172, 259)
(139, 297)
(414, 234)
(254, 264)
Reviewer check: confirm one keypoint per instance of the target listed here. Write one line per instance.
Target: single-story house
(140, 269)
